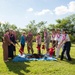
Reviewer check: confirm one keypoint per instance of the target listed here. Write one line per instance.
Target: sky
(21, 12)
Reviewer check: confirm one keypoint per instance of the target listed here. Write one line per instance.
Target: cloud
(71, 6)
(61, 10)
(43, 12)
(30, 9)
(65, 9)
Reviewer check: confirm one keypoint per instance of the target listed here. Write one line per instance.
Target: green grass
(38, 67)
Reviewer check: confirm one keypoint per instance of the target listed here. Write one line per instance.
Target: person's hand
(12, 43)
(58, 46)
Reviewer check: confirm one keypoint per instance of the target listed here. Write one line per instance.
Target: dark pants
(66, 48)
(22, 46)
(10, 51)
(39, 50)
(22, 49)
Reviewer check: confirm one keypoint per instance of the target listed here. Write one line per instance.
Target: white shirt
(53, 37)
(67, 37)
(59, 39)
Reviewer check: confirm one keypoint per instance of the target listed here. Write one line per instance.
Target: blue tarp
(24, 58)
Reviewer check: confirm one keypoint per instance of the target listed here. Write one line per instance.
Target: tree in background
(67, 23)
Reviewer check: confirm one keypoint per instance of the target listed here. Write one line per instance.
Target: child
(38, 41)
(22, 41)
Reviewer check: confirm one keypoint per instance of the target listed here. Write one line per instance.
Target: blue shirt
(22, 40)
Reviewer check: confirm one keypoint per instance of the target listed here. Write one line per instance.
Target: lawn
(38, 67)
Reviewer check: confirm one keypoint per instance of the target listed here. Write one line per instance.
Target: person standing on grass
(53, 36)
(11, 48)
(6, 43)
(22, 42)
(46, 40)
(14, 41)
(29, 40)
(58, 40)
(67, 45)
(38, 41)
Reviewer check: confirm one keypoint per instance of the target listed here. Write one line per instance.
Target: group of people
(26, 38)
(59, 39)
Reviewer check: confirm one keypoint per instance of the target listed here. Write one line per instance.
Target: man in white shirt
(67, 45)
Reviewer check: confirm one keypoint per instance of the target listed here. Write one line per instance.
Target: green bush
(72, 37)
